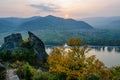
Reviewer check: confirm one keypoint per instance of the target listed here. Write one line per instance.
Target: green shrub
(93, 77)
(115, 72)
(49, 76)
(26, 71)
(23, 55)
(5, 55)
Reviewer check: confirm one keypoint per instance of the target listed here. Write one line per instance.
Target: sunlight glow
(66, 16)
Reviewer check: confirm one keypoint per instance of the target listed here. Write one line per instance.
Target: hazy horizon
(59, 17)
(76, 9)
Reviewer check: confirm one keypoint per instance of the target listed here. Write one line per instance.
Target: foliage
(48, 76)
(23, 55)
(26, 44)
(5, 55)
(26, 71)
(74, 64)
(116, 72)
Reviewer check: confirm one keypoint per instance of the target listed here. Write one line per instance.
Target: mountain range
(35, 23)
(104, 22)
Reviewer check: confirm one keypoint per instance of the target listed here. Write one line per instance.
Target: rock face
(12, 41)
(38, 47)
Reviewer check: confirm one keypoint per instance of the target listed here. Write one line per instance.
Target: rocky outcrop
(38, 47)
(12, 42)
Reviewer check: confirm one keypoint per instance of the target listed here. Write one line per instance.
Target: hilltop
(37, 23)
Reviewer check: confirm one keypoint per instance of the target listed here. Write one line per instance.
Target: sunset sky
(62, 8)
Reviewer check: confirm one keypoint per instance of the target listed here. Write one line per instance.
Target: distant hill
(104, 22)
(37, 22)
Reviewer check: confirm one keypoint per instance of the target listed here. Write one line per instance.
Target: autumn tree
(73, 63)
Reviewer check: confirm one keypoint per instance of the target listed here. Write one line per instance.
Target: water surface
(109, 55)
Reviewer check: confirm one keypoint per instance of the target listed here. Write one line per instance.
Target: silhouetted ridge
(38, 23)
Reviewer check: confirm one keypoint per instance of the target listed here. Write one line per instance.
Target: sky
(61, 8)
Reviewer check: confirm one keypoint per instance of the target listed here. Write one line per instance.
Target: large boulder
(38, 47)
(11, 42)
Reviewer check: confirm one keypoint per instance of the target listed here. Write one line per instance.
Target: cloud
(46, 7)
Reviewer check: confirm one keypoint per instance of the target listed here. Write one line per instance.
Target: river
(110, 55)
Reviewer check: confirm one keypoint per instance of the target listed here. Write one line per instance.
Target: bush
(49, 76)
(5, 55)
(116, 72)
(26, 71)
(93, 77)
(23, 55)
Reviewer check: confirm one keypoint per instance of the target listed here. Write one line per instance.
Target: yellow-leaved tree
(73, 64)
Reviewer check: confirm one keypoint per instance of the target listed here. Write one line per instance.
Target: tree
(74, 64)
